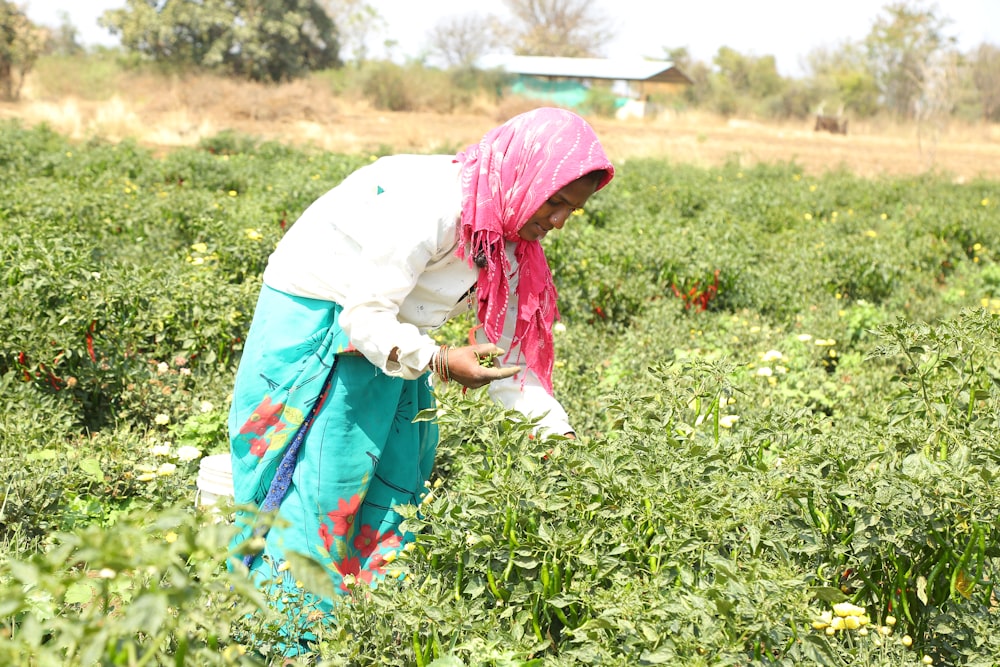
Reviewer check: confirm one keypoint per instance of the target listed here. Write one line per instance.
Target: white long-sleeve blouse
(382, 245)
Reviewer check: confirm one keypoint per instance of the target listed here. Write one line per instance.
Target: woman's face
(554, 212)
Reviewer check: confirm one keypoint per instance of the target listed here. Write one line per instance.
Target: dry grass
(170, 111)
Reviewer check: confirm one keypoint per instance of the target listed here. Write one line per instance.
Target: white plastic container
(215, 480)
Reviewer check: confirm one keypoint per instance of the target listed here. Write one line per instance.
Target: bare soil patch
(181, 112)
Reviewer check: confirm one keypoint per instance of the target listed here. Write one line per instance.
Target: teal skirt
(328, 440)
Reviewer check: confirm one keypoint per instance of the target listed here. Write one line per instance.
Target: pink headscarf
(506, 178)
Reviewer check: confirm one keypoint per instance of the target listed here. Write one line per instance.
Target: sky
(786, 29)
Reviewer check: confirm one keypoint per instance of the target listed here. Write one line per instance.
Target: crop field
(786, 387)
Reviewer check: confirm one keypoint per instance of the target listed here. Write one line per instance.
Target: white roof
(635, 69)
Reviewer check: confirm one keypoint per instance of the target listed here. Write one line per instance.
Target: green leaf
(828, 594)
(311, 574)
(92, 467)
(80, 592)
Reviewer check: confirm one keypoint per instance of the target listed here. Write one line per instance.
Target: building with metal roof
(614, 69)
(566, 81)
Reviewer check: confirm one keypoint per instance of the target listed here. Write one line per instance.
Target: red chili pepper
(90, 341)
(472, 333)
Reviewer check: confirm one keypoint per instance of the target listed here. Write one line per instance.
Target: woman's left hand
(465, 365)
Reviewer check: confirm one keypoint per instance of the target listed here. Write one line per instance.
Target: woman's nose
(558, 219)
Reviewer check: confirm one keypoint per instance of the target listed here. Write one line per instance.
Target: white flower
(166, 469)
(162, 419)
(805, 338)
(162, 367)
(206, 406)
(185, 371)
(765, 371)
(160, 450)
(107, 573)
(727, 421)
(188, 453)
(771, 355)
(559, 327)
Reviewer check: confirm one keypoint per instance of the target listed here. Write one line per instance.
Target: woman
(337, 361)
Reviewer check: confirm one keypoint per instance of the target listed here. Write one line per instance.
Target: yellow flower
(199, 247)
(253, 234)
(906, 641)
(764, 371)
(233, 652)
(160, 450)
(986, 201)
(927, 660)
(884, 216)
(890, 620)
(727, 421)
(871, 233)
(233, 193)
(847, 609)
(771, 355)
(823, 621)
(188, 453)
(170, 537)
(808, 216)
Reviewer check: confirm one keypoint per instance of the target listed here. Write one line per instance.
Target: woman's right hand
(466, 366)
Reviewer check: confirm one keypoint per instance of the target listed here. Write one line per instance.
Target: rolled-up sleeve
(524, 392)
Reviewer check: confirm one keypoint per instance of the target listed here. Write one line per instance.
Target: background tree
(21, 42)
(842, 80)
(261, 40)
(358, 23)
(573, 28)
(904, 46)
(64, 40)
(460, 41)
(985, 68)
(744, 83)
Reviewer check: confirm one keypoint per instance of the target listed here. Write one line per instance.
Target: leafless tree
(936, 101)
(574, 28)
(986, 77)
(357, 23)
(459, 41)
